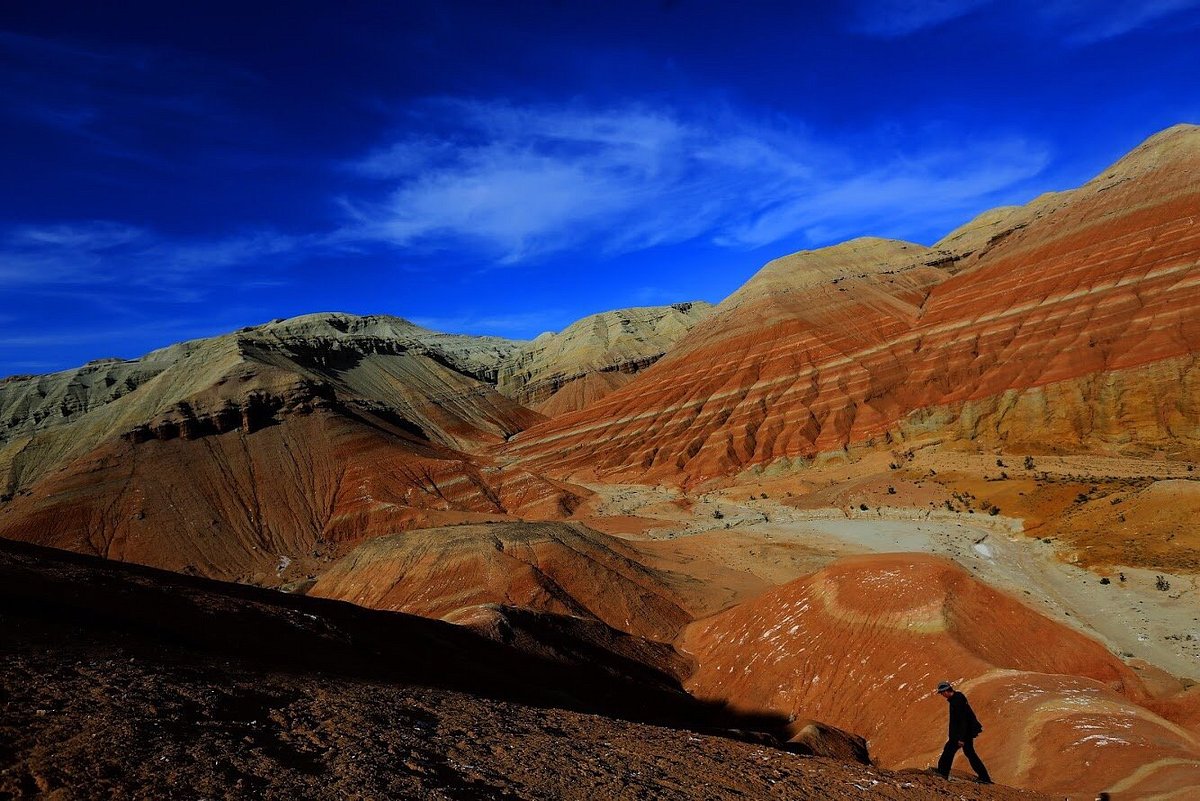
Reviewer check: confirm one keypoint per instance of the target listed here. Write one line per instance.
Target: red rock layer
(1081, 295)
(580, 392)
(270, 505)
(862, 644)
(562, 568)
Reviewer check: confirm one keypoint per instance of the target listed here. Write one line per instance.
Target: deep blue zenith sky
(174, 170)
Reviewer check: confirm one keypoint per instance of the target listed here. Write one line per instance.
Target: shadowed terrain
(127, 683)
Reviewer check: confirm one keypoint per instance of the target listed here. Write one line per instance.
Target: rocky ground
(764, 530)
(255, 695)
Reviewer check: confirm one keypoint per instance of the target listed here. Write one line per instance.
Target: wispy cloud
(929, 187)
(1087, 21)
(895, 18)
(1075, 21)
(98, 254)
(521, 182)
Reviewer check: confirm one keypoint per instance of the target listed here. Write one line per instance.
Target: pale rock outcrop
(562, 372)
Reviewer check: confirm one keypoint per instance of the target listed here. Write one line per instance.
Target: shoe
(985, 781)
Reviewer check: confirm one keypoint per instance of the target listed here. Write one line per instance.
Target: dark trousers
(968, 747)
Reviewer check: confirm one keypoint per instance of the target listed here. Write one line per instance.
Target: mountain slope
(122, 682)
(552, 567)
(1071, 323)
(562, 372)
(261, 454)
(861, 645)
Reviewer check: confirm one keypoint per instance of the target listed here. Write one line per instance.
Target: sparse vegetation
(1161, 584)
(718, 514)
(1029, 463)
(1105, 580)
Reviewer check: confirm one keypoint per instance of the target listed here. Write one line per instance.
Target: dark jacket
(963, 723)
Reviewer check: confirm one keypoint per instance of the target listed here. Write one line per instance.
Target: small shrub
(891, 490)
(995, 510)
(1105, 580)
(1161, 584)
(1028, 462)
(863, 507)
(1000, 463)
(762, 495)
(717, 514)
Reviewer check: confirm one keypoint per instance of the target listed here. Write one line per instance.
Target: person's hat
(945, 685)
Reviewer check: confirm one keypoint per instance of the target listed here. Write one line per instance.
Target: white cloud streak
(895, 18)
(1076, 21)
(519, 183)
(1088, 21)
(109, 254)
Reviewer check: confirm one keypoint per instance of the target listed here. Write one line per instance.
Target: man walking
(964, 728)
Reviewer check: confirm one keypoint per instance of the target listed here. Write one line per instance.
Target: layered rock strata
(563, 568)
(259, 455)
(1072, 323)
(862, 643)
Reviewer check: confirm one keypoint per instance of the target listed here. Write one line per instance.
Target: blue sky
(179, 170)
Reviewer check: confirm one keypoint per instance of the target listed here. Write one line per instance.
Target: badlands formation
(783, 519)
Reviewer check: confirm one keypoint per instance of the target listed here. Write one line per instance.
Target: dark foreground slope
(123, 682)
